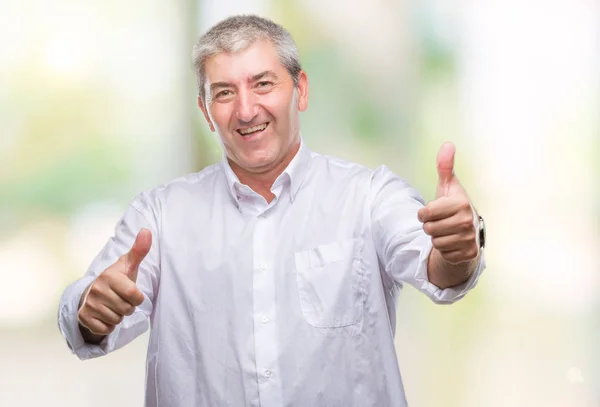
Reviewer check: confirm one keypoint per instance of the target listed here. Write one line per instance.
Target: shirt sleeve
(402, 245)
(137, 216)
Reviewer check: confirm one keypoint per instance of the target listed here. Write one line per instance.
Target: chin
(259, 164)
(257, 159)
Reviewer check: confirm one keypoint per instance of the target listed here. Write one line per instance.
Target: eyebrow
(261, 75)
(253, 78)
(218, 85)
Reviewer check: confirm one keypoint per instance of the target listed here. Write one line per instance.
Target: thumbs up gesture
(450, 219)
(114, 294)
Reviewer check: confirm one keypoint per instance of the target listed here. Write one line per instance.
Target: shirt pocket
(331, 283)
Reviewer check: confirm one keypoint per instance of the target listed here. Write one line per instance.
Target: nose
(247, 108)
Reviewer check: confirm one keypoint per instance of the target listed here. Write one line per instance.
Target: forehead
(239, 66)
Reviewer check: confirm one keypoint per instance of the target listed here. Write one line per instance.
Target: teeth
(253, 129)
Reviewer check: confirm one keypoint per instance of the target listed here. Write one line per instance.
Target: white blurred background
(97, 102)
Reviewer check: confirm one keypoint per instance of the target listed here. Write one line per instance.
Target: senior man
(270, 279)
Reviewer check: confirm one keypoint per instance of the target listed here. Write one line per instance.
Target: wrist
(445, 274)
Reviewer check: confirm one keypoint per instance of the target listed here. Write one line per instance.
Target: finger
(443, 208)
(106, 288)
(97, 327)
(445, 163)
(107, 316)
(127, 291)
(139, 250)
(459, 223)
(94, 308)
(450, 243)
(117, 304)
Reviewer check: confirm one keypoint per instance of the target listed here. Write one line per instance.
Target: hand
(113, 295)
(450, 219)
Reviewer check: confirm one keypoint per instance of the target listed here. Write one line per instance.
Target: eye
(264, 84)
(222, 94)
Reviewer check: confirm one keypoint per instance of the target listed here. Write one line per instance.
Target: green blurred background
(97, 102)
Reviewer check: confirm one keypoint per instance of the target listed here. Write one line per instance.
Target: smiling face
(252, 103)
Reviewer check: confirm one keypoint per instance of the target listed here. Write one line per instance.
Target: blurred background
(97, 102)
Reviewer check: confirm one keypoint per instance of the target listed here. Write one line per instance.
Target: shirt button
(263, 266)
(268, 373)
(264, 320)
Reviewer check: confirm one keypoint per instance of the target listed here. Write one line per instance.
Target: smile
(252, 130)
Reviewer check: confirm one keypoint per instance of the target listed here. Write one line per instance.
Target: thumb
(138, 251)
(445, 165)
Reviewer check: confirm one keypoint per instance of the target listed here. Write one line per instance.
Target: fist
(450, 219)
(114, 294)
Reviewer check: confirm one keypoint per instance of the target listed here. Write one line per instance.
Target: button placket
(265, 333)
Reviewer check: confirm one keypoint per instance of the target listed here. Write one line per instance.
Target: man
(270, 279)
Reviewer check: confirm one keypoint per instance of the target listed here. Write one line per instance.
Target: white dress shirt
(290, 303)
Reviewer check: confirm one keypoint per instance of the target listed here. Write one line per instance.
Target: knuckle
(91, 304)
(112, 271)
(103, 278)
(112, 276)
(473, 253)
(114, 319)
(466, 228)
(97, 328)
(129, 310)
(94, 329)
(464, 204)
(108, 321)
(138, 300)
(429, 212)
(95, 290)
(428, 228)
(135, 297)
(130, 291)
(467, 220)
(439, 242)
(84, 319)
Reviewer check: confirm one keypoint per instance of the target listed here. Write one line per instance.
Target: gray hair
(238, 33)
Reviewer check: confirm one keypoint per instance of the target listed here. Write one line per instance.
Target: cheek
(220, 114)
(278, 107)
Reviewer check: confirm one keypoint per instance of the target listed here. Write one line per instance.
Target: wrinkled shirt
(288, 303)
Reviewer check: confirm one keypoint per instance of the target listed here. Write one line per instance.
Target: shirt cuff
(448, 295)
(69, 325)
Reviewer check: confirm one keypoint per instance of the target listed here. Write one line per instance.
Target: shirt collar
(295, 173)
(297, 169)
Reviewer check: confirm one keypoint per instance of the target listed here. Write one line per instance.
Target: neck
(262, 181)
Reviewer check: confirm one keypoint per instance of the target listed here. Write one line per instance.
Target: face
(253, 105)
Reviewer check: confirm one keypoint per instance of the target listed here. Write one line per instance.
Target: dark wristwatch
(481, 233)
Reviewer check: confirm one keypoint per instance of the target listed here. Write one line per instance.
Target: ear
(206, 116)
(302, 91)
